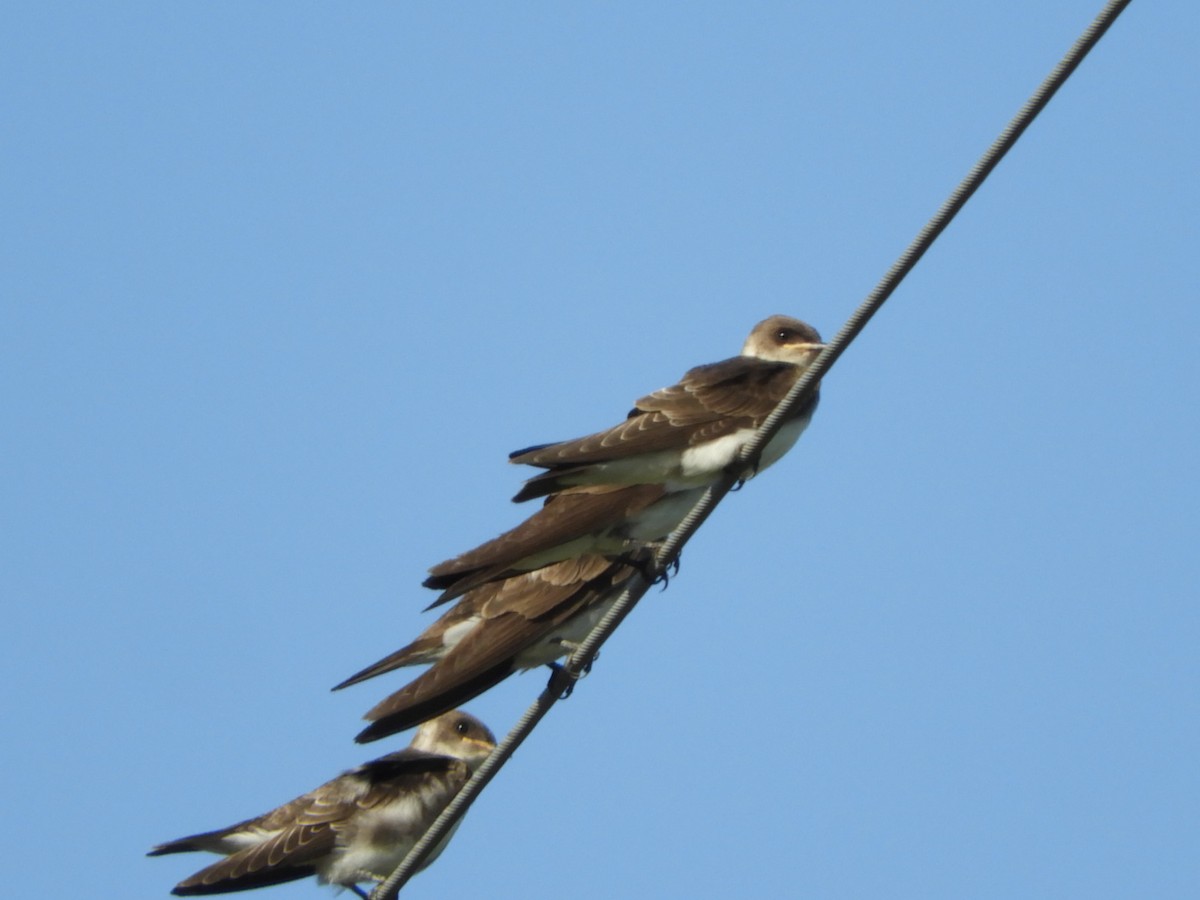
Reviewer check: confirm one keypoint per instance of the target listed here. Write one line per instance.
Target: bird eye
(462, 727)
(783, 334)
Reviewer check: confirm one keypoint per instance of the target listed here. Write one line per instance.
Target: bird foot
(744, 474)
(644, 563)
(555, 669)
(665, 576)
(569, 648)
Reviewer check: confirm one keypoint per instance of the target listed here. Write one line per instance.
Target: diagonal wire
(566, 675)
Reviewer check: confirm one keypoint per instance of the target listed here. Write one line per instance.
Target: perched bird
(356, 828)
(687, 435)
(613, 521)
(496, 629)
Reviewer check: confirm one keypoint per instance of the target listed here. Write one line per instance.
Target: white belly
(380, 843)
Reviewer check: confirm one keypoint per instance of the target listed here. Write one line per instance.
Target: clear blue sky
(284, 283)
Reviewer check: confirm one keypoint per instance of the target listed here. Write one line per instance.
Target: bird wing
(568, 516)
(708, 402)
(522, 611)
(307, 827)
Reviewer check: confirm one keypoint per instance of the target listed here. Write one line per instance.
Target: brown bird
(356, 828)
(496, 629)
(687, 435)
(591, 519)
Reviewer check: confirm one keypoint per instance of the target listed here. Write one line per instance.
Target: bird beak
(813, 350)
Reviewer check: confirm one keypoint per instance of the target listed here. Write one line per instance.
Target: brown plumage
(727, 399)
(602, 519)
(496, 629)
(355, 828)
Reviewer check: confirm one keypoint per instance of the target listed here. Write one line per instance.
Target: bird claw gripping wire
(645, 566)
(741, 473)
(665, 576)
(556, 668)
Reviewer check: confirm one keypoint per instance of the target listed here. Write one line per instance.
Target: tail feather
(405, 656)
(214, 879)
(544, 485)
(454, 586)
(514, 457)
(415, 703)
(208, 842)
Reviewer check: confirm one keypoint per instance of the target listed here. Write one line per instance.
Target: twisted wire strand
(566, 675)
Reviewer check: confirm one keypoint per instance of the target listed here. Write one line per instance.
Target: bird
(687, 435)
(494, 630)
(355, 828)
(610, 520)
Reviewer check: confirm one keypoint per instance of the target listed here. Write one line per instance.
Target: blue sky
(284, 283)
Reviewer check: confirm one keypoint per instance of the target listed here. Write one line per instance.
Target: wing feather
(709, 402)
